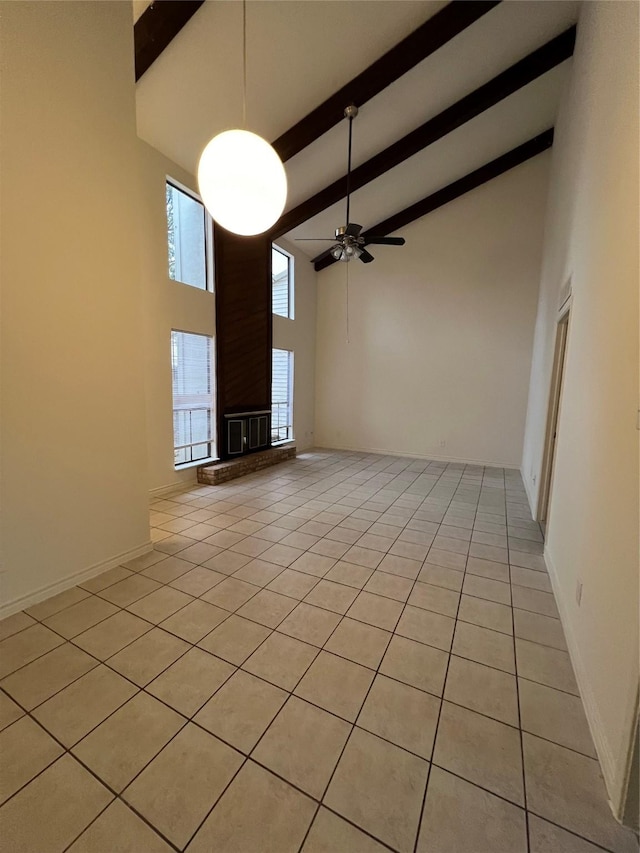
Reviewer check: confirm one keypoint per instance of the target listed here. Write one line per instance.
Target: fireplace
(246, 432)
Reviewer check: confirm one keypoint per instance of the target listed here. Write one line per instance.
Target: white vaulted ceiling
(301, 51)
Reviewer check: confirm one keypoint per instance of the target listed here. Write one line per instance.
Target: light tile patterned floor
(347, 653)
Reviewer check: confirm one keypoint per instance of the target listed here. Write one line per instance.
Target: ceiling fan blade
(385, 241)
(366, 257)
(323, 255)
(315, 239)
(352, 229)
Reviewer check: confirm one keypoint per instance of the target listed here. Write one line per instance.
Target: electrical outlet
(578, 592)
(443, 443)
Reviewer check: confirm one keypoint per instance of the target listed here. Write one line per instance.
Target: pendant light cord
(244, 64)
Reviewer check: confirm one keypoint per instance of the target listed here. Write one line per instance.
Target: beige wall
(74, 476)
(298, 335)
(592, 238)
(167, 305)
(440, 331)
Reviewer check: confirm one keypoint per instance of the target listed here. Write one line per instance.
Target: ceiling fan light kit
(347, 248)
(241, 179)
(349, 242)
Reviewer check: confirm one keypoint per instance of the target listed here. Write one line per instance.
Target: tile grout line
(362, 704)
(167, 584)
(195, 645)
(247, 756)
(187, 721)
(227, 577)
(444, 687)
(517, 686)
(67, 752)
(267, 729)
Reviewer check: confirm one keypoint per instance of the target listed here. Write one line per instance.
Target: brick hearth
(221, 472)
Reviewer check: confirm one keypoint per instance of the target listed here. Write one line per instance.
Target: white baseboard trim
(31, 598)
(533, 502)
(607, 761)
(172, 488)
(430, 456)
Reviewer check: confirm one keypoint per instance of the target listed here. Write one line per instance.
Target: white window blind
(192, 375)
(281, 395)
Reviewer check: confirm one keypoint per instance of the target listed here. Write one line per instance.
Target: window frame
(208, 238)
(290, 387)
(290, 282)
(212, 441)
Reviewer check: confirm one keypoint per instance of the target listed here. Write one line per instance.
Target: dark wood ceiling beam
(523, 72)
(158, 25)
(421, 43)
(454, 190)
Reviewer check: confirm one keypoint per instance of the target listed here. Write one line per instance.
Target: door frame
(553, 412)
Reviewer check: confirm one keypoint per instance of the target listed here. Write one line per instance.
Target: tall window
(281, 395)
(192, 372)
(282, 283)
(186, 238)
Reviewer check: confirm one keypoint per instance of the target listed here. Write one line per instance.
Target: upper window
(186, 238)
(282, 282)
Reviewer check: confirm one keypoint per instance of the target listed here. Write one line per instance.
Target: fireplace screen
(247, 432)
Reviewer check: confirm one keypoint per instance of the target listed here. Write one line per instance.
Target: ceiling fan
(349, 243)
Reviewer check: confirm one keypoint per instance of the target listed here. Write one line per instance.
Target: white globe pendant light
(242, 182)
(241, 179)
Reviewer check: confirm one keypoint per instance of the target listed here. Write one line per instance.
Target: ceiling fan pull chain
(348, 341)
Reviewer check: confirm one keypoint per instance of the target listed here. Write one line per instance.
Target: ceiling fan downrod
(349, 242)
(350, 113)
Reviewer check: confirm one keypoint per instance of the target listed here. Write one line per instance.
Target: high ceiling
(299, 52)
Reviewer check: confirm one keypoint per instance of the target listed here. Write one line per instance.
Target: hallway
(348, 652)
